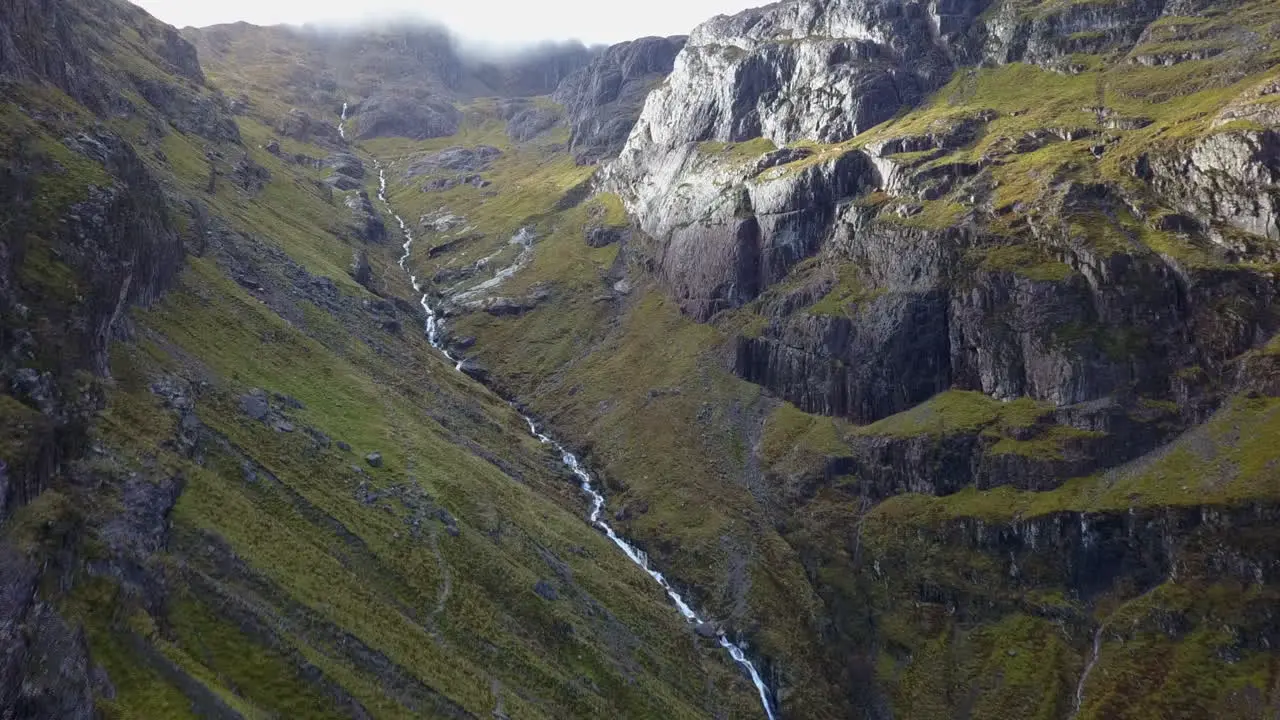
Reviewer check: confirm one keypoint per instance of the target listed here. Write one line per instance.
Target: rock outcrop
(400, 116)
(604, 98)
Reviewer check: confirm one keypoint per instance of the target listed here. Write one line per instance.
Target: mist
(484, 27)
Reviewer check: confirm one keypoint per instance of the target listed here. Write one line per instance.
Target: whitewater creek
(434, 326)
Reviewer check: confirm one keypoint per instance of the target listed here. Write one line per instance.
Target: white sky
(486, 21)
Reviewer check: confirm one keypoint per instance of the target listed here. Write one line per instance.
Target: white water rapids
(637, 556)
(342, 126)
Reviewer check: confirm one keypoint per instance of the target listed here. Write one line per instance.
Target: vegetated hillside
(937, 353)
(235, 480)
(929, 347)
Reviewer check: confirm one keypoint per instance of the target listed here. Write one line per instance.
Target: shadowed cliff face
(604, 98)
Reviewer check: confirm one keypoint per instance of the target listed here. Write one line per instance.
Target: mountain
(236, 481)
(926, 352)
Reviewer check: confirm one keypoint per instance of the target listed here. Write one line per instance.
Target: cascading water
(342, 126)
(640, 558)
(637, 556)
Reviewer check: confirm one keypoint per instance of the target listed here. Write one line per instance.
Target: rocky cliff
(927, 349)
(604, 98)
(235, 479)
(1052, 244)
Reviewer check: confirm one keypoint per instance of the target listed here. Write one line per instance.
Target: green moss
(932, 215)
(1030, 261)
(614, 214)
(790, 430)
(1049, 444)
(956, 411)
(843, 297)
(738, 151)
(1229, 460)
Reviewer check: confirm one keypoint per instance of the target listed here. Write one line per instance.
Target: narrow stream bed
(637, 556)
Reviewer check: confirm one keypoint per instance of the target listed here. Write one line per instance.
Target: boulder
(255, 405)
(545, 590)
(374, 459)
(598, 237)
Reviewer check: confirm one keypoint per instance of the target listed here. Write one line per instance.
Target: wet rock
(545, 590)
(374, 459)
(475, 370)
(707, 630)
(255, 405)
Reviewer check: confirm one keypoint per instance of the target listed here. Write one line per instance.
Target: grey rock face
(1231, 177)
(892, 355)
(345, 164)
(439, 184)
(530, 122)
(401, 116)
(361, 270)
(249, 176)
(604, 98)
(366, 222)
(470, 159)
(124, 238)
(299, 125)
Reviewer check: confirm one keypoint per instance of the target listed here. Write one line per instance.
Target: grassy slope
(645, 391)
(272, 582)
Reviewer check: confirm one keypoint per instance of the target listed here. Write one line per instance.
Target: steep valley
(924, 352)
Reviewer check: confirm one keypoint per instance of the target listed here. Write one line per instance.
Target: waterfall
(736, 650)
(342, 126)
(1088, 668)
